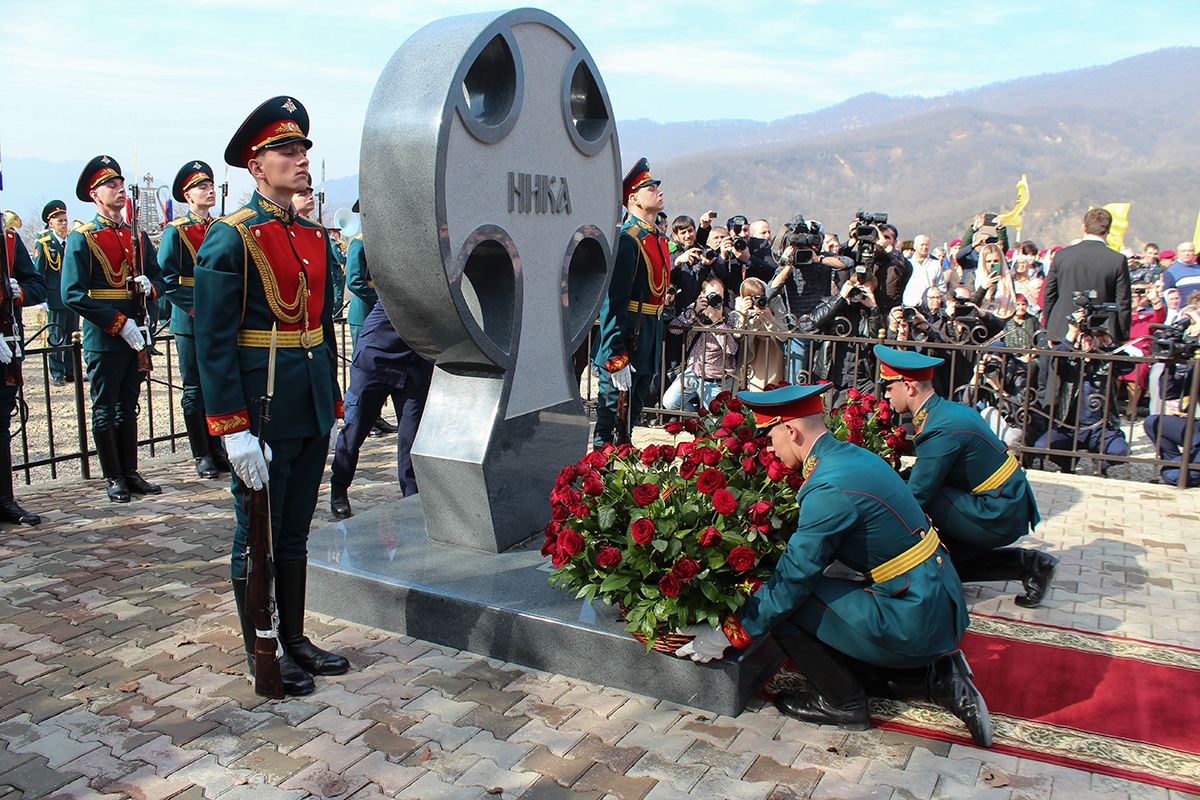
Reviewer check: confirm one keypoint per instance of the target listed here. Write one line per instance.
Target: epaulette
(86, 227)
(238, 217)
(179, 223)
(43, 239)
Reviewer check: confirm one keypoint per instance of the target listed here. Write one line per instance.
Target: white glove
(132, 335)
(709, 643)
(5, 351)
(144, 284)
(15, 287)
(248, 458)
(622, 378)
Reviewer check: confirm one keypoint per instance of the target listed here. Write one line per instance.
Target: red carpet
(1105, 704)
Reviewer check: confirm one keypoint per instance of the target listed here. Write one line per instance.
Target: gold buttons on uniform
(305, 260)
(257, 233)
(939, 559)
(309, 354)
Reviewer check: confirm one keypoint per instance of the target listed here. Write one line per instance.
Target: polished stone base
(380, 569)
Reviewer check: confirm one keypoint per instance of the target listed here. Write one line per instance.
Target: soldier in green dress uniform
(358, 280)
(181, 239)
(901, 624)
(26, 287)
(62, 320)
(97, 279)
(631, 330)
(971, 487)
(263, 266)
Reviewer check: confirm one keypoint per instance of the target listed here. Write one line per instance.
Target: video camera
(866, 237)
(1171, 342)
(1096, 315)
(805, 239)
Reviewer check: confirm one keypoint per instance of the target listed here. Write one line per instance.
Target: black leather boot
(216, 449)
(290, 581)
(839, 698)
(127, 439)
(197, 431)
(296, 681)
(949, 685)
(339, 504)
(9, 510)
(1033, 568)
(109, 454)
(382, 427)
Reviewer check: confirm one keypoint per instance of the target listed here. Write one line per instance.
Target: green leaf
(607, 515)
(659, 544)
(613, 582)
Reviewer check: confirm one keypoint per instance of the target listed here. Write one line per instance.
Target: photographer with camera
(871, 242)
(1082, 406)
(710, 361)
(1089, 266)
(761, 360)
(1148, 311)
(982, 231)
(1177, 344)
(805, 279)
(853, 312)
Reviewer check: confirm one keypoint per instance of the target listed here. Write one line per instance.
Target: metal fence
(1025, 393)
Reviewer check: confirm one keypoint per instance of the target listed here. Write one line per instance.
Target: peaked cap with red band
(99, 170)
(277, 122)
(787, 402)
(53, 209)
(188, 176)
(637, 178)
(904, 365)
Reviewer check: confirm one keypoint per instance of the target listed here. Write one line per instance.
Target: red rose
(569, 542)
(566, 475)
(608, 557)
(723, 502)
(650, 454)
(670, 586)
(777, 470)
(742, 558)
(644, 494)
(674, 427)
(868, 401)
(691, 424)
(592, 484)
(597, 459)
(685, 569)
(721, 399)
(732, 420)
(710, 481)
(853, 394)
(642, 530)
(750, 448)
(795, 480)
(733, 445)
(745, 434)
(685, 449)
(734, 404)
(624, 450)
(749, 465)
(559, 558)
(666, 454)
(750, 585)
(580, 510)
(560, 513)
(854, 437)
(884, 415)
(710, 456)
(710, 538)
(760, 513)
(552, 529)
(765, 456)
(688, 468)
(721, 433)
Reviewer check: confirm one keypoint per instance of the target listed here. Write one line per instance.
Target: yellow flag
(1196, 235)
(1012, 218)
(1120, 223)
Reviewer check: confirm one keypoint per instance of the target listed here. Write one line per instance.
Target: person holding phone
(982, 231)
(995, 291)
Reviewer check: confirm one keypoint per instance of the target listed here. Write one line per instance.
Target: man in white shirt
(927, 271)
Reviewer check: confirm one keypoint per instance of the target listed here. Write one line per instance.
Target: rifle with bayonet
(141, 301)
(224, 190)
(321, 197)
(260, 562)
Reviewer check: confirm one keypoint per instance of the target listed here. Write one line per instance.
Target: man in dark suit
(1089, 265)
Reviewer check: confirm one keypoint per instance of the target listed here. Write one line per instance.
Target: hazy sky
(81, 77)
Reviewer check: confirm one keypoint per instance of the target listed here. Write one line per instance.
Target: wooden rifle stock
(141, 308)
(9, 328)
(260, 582)
(621, 435)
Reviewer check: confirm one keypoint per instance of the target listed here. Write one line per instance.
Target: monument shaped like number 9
(490, 181)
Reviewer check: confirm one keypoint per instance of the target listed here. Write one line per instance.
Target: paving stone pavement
(121, 674)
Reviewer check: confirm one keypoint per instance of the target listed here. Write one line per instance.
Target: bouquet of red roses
(869, 423)
(674, 534)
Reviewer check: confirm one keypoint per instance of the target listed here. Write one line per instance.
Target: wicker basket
(665, 643)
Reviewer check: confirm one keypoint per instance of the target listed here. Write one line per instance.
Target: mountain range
(1122, 132)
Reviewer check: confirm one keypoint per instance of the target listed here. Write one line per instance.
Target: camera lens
(760, 301)
(716, 300)
(739, 243)
(709, 253)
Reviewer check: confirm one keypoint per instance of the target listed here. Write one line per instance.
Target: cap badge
(289, 106)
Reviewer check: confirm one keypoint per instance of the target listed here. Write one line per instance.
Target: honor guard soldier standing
(26, 287)
(259, 267)
(899, 628)
(181, 240)
(96, 273)
(631, 332)
(62, 320)
(358, 281)
(971, 487)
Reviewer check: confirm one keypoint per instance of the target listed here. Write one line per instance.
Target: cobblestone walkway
(121, 674)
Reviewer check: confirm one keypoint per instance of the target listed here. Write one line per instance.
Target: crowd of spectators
(748, 309)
